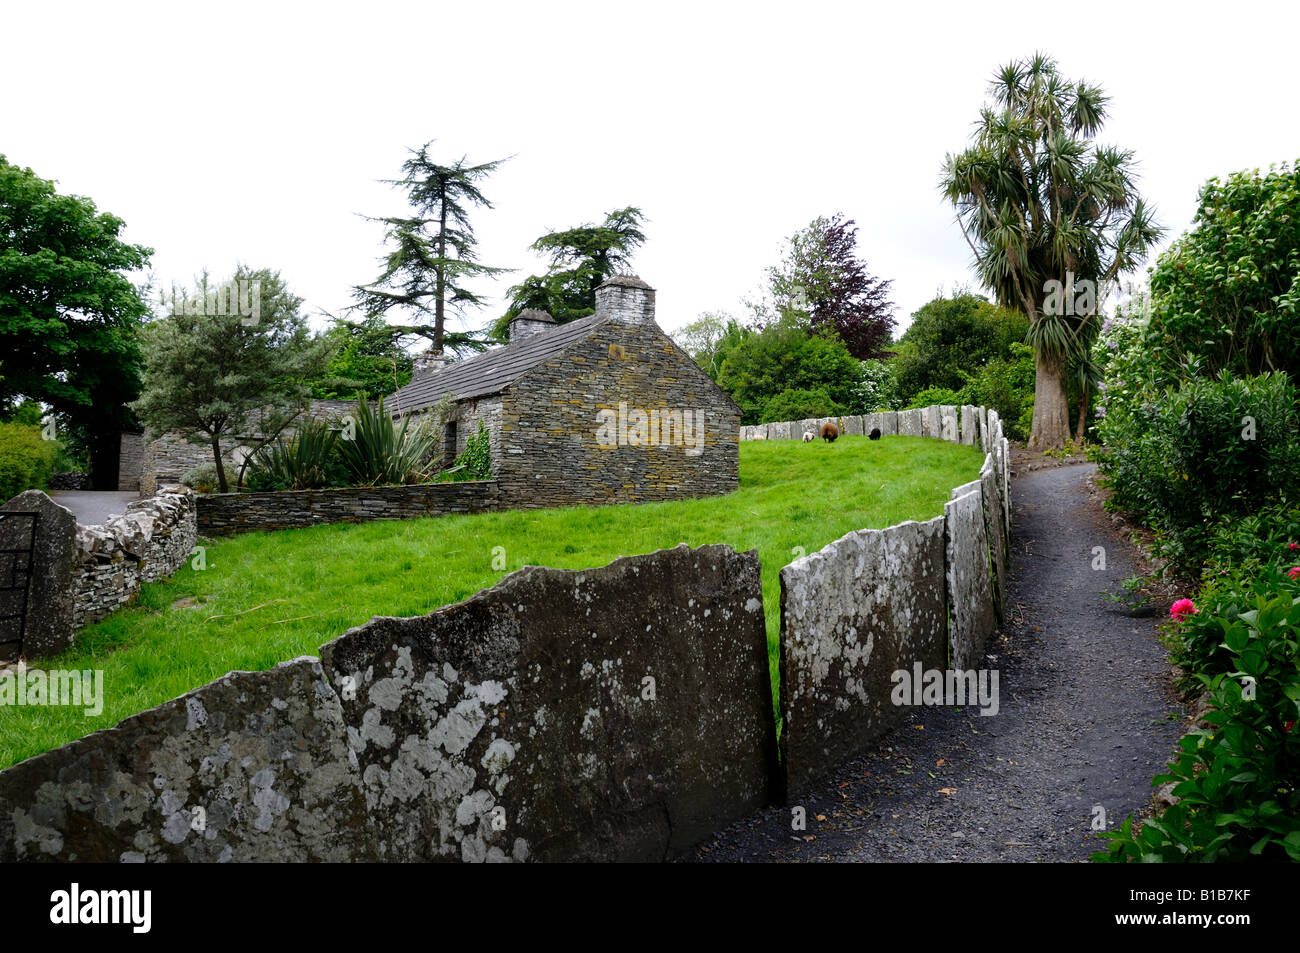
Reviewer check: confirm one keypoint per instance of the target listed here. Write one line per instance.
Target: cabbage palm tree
(1038, 203)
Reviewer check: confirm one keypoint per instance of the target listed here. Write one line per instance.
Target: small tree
(434, 254)
(822, 279)
(214, 375)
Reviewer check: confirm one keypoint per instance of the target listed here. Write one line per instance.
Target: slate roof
(493, 371)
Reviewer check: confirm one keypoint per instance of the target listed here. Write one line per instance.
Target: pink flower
(1181, 609)
(1294, 572)
(1293, 546)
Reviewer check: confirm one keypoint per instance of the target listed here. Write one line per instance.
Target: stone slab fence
(619, 713)
(877, 602)
(221, 514)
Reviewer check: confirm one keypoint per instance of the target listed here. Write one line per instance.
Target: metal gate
(17, 542)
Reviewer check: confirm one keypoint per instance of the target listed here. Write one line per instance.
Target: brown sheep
(830, 432)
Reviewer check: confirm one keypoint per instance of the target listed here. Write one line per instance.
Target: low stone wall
(913, 597)
(221, 514)
(69, 480)
(620, 713)
(150, 541)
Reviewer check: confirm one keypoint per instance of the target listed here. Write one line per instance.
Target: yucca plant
(300, 462)
(376, 451)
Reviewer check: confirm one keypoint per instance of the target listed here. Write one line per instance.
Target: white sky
(256, 132)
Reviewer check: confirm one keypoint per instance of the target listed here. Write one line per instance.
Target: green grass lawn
(268, 597)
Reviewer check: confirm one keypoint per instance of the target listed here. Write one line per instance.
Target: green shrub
(306, 460)
(475, 461)
(934, 395)
(1006, 384)
(1184, 458)
(26, 459)
(201, 479)
(379, 452)
(801, 404)
(1239, 782)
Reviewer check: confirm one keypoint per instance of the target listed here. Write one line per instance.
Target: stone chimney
(528, 322)
(626, 299)
(429, 364)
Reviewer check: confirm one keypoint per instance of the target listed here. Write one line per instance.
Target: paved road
(93, 507)
(1088, 717)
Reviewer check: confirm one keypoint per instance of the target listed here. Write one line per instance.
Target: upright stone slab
(613, 714)
(933, 417)
(948, 425)
(779, 430)
(761, 431)
(887, 421)
(746, 433)
(867, 605)
(811, 425)
(994, 520)
(970, 588)
(1006, 486)
(50, 599)
(853, 426)
(969, 425)
(910, 423)
(260, 757)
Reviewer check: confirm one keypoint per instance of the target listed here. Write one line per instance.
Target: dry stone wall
(223, 514)
(150, 541)
(619, 713)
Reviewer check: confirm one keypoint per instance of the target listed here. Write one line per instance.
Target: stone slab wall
(852, 613)
(970, 586)
(619, 713)
(151, 540)
(878, 601)
(221, 514)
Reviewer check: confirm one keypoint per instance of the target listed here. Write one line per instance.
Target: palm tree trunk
(1083, 418)
(1051, 423)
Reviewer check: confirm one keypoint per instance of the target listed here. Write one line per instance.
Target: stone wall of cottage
(551, 449)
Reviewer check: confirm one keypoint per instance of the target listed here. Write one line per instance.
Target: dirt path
(1087, 718)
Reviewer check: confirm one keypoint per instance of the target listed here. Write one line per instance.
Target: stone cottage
(605, 409)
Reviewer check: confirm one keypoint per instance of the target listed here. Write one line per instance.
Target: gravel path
(1087, 717)
(94, 507)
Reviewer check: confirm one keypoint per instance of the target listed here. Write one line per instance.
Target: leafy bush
(800, 404)
(381, 452)
(784, 357)
(934, 395)
(201, 479)
(26, 459)
(306, 460)
(951, 338)
(1006, 384)
(876, 390)
(475, 461)
(1237, 782)
(1186, 457)
(1227, 293)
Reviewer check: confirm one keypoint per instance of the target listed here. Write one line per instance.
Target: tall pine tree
(433, 258)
